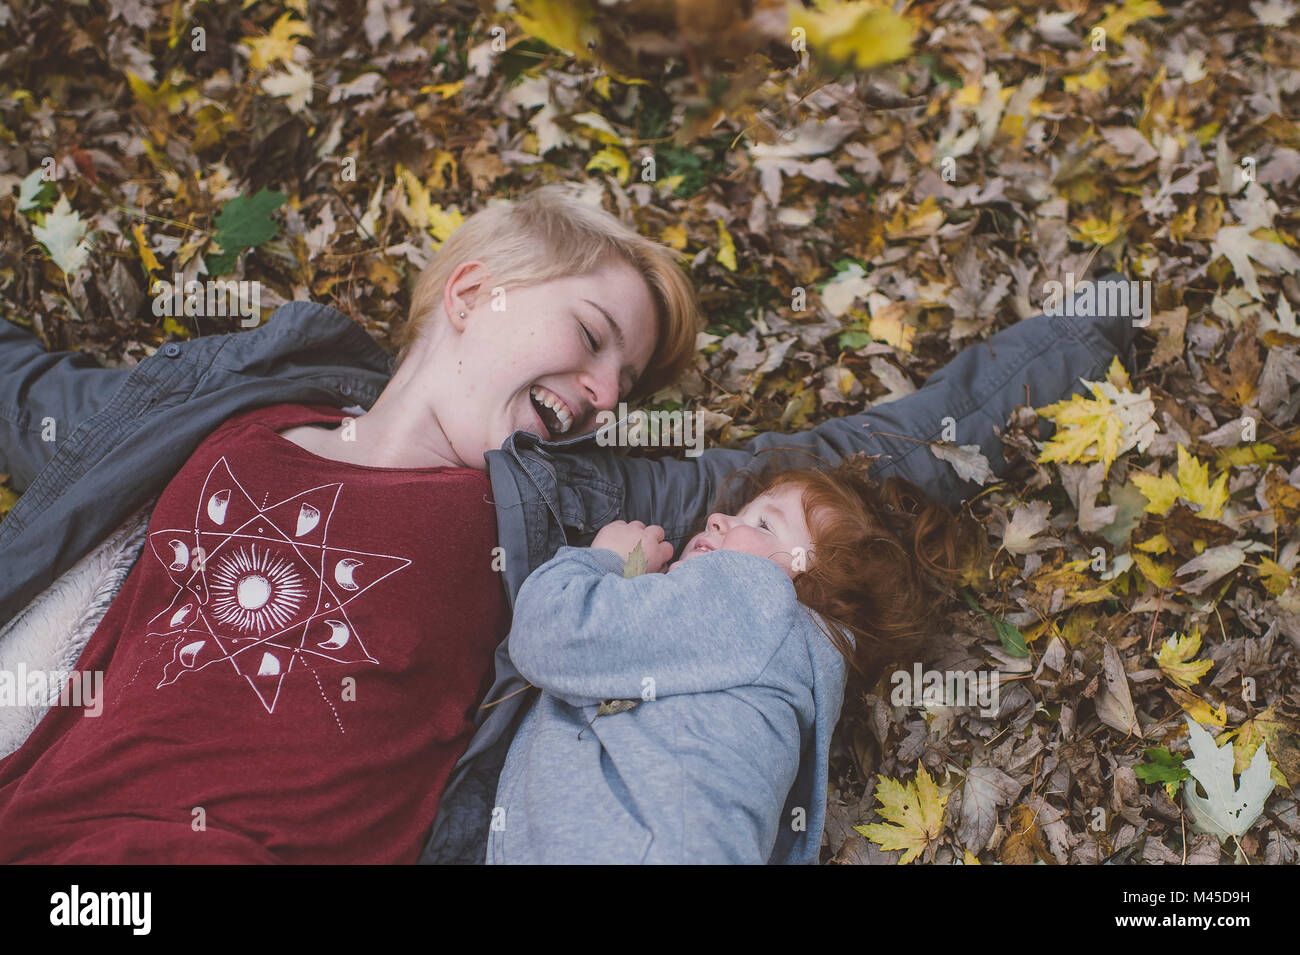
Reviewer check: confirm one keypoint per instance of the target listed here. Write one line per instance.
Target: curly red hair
(883, 554)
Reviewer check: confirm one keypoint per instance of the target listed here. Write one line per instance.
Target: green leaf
(243, 223)
(634, 566)
(1162, 767)
(854, 338)
(1013, 641)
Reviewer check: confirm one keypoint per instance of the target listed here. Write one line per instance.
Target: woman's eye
(591, 340)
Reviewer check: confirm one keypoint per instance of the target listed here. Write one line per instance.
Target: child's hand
(622, 538)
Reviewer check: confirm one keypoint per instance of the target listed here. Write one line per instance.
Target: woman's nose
(719, 522)
(600, 387)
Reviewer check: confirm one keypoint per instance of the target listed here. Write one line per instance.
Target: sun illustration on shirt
(254, 590)
(262, 588)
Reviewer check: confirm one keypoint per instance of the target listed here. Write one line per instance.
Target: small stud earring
(462, 314)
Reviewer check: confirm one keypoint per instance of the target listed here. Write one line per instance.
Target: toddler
(721, 678)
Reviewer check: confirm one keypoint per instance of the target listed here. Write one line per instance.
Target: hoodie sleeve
(1041, 358)
(37, 388)
(585, 633)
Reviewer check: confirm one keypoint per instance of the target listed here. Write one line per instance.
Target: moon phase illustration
(180, 615)
(217, 505)
(270, 665)
(190, 651)
(340, 634)
(180, 555)
(308, 518)
(343, 573)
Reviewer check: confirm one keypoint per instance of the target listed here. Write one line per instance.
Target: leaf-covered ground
(849, 230)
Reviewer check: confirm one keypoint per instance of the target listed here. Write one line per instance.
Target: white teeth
(556, 404)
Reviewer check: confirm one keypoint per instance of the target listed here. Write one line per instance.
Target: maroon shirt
(290, 668)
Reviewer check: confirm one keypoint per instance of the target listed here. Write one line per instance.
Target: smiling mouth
(555, 416)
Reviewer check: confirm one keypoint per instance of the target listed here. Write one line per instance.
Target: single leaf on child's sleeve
(614, 707)
(609, 708)
(634, 566)
(1228, 809)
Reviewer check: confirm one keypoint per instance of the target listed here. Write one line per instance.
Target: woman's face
(577, 344)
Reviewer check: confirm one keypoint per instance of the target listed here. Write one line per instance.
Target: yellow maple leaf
(278, 45)
(1192, 484)
(922, 221)
(1096, 232)
(1262, 730)
(416, 205)
(726, 248)
(861, 33)
(168, 94)
(1200, 710)
(443, 222)
(1095, 79)
(611, 159)
(418, 209)
(1102, 427)
(444, 90)
(674, 236)
(1275, 576)
(1119, 19)
(444, 170)
(560, 24)
(916, 809)
(151, 263)
(1175, 659)
(888, 325)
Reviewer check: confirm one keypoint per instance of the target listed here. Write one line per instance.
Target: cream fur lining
(50, 633)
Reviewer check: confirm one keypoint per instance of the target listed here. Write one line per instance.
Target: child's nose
(720, 522)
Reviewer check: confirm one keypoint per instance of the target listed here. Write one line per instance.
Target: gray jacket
(723, 759)
(119, 435)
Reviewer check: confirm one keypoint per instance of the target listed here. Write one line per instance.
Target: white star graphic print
(262, 589)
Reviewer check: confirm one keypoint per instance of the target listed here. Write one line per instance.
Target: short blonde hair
(551, 233)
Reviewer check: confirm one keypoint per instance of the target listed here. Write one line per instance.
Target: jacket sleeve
(44, 395)
(585, 633)
(1036, 361)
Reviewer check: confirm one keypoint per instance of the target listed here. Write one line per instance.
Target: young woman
(291, 644)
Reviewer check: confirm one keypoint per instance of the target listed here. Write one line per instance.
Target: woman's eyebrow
(613, 325)
(627, 370)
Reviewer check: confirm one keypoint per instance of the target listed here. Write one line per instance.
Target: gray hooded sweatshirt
(724, 757)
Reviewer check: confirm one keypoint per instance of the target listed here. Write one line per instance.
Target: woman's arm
(1035, 362)
(43, 398)
(585, 633)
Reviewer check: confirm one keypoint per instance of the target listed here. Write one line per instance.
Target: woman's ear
(462, 290)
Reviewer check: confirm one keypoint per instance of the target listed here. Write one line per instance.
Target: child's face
(772, 526)
(473, 378)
